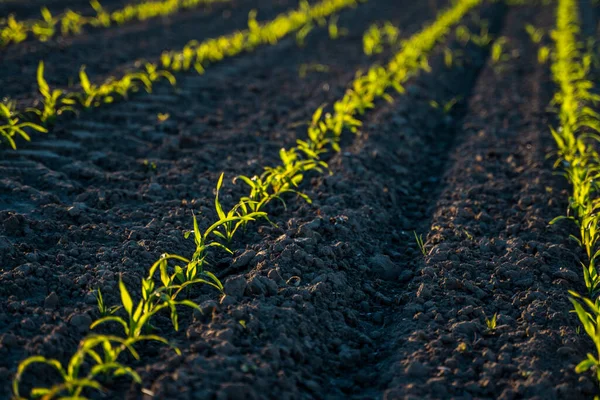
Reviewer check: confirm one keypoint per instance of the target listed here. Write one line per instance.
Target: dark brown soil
(338, 302)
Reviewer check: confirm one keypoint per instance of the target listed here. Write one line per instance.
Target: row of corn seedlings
(195, 55)
(72, 23)
(579, 162)
(170, 277)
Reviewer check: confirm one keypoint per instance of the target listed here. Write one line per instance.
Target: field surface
(331, 298)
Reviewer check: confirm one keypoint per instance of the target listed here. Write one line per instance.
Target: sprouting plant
(463, 34)
(11, 126)
(378, 36)
(103, 309)
(484, 38)
(97, 355)
(52, 103)
(102, 17)
(306, 68)
(447, 106)
(334, 31)
(535, 34)
(588, 312)
(543, 54)
(491, 323)
(13, 32)
(238, 216)
(498, 50)
(152, 302)
(420, 243)
(303, 33)
(153, 74)
(45, 28)
(92, 94)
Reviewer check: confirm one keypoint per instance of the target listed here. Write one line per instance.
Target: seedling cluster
(13, 31)
(195, 55)
(579, 162)
(170, 278)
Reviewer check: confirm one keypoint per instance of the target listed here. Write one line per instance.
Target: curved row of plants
(69, 23)
(195, 55)
(579, 162)
(171, 276)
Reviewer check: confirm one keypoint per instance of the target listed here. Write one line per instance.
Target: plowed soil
(337, 300)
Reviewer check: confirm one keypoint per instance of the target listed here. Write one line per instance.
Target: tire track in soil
(492, 250)
(411, 176)
(87, 209)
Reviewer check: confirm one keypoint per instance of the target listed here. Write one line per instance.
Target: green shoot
(420, 243)
(491, 323)
(11, 126)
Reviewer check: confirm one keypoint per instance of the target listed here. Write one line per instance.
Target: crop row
(72, 23)
(579, 162)
(195, 55)
(170, 278)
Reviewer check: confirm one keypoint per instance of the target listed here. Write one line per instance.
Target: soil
(337, 300)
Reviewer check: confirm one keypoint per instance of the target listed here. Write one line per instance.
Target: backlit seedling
(588, 313)
(420, 243)
(52, 102)
(11, 126)
(491, 323)
(238, 216)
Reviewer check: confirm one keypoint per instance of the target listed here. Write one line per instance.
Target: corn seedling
(334, 31)
(97, 354)
(378, 36)
(238, 216)
(53, 104)
(420, 243)
(491, 323)
(498, 54)
(447, 106)
(312, 67)
(11, 126)
(103, 309)
(535, 34)
(543, 54)
(588, 312)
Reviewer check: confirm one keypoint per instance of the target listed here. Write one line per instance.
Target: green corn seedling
(491, 323)
(11, 126)
(52, 104)
(420, 243)
(588, 312)
(227, 229)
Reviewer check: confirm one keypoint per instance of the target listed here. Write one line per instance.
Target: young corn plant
(97, 357)
(46, 27)
(492, 323)
(11, 126)
(420, 244)
(53, 103)
(238, 216)
(378, 36)
(588, 312)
